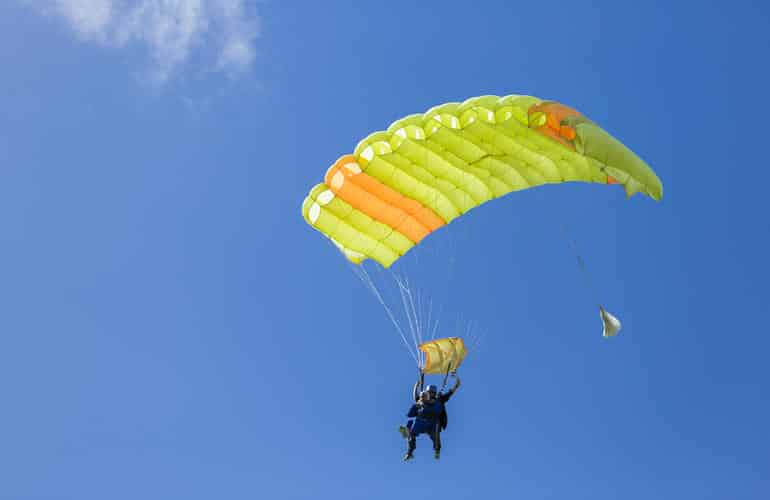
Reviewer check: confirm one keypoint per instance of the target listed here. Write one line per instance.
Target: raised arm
(416, 390)
(444, 396)
(457, 384)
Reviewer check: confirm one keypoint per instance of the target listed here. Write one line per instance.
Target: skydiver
(429, 416)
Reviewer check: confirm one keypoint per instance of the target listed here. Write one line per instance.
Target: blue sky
(171, 328)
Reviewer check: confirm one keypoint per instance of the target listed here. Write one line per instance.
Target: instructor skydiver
(429, 416)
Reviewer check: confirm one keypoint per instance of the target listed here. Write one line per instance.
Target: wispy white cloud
(219, 34)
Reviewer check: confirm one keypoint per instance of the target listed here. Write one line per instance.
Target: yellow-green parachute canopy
(400, 185)
(443, 355)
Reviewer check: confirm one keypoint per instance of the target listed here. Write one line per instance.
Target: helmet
(432, 389)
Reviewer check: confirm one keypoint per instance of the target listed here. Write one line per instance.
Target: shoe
(404, 432)
(409, 455)
(437, 454)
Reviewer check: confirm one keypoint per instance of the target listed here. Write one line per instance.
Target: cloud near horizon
(218, 34)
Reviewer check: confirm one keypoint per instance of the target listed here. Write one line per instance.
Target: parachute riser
(446, 376)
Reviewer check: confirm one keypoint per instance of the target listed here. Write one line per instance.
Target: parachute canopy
(425, 170)
(443, 355)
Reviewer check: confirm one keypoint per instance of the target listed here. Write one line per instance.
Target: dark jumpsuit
(429, 418)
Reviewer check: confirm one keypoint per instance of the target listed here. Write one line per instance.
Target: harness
(430, 412)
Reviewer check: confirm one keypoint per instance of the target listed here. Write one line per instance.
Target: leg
(411, 439)
(411, 445)
(435, 436)
(405, 430)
